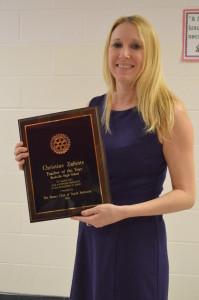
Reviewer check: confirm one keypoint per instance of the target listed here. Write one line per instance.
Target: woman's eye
(136, 46)
(116, 45)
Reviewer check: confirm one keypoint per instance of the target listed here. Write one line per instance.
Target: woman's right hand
(20, 154)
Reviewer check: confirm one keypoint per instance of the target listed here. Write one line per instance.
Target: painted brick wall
(51, 60)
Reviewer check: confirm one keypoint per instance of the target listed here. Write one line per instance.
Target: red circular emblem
(60, 143)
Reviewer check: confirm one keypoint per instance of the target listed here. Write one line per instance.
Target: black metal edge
(13, 296)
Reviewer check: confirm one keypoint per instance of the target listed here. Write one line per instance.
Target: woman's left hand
(101, 215)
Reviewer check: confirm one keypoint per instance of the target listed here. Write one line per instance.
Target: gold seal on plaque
(60, 143)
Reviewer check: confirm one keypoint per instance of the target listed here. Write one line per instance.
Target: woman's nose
(124, 52)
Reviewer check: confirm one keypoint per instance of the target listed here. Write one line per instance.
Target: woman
(123, 255)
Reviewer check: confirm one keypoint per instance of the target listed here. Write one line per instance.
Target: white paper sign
(190, 50)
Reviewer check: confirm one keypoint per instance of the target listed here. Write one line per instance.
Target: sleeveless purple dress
(126, 260)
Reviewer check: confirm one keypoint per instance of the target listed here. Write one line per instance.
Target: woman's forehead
(126, 30)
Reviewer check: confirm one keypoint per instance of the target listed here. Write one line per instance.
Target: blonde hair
(153, 99)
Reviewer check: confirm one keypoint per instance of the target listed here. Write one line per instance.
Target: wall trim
(10, 296)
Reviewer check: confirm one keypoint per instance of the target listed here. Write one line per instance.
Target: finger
(19, 144)
(21, 156)
(89, 212)
(20, 164)
(82, 219)
(20, 150)
(78, 218)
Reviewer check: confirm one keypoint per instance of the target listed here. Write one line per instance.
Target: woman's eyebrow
(133, 40)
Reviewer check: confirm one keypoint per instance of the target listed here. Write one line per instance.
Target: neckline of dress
(124, 110)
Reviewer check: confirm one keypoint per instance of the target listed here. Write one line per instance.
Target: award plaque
(66, 171)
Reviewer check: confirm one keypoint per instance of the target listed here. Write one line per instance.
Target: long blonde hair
(153, 99)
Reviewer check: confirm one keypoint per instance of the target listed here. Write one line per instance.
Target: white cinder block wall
(51, 60)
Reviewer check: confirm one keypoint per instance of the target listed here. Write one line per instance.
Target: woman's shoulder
(97, 101)
(180, 113)
(180, 120)
(182, 128)
(179, 107)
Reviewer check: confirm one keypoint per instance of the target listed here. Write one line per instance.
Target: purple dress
(126, 260)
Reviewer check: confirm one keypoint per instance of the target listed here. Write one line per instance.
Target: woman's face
(126, 54)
